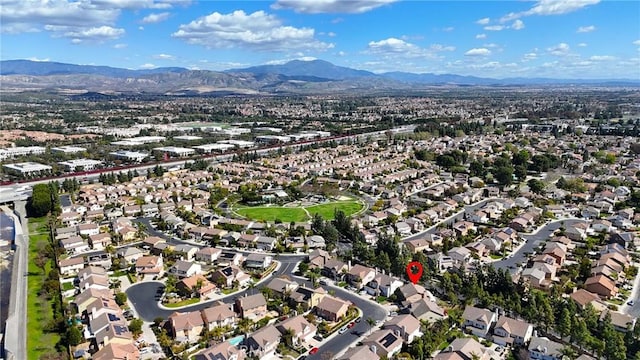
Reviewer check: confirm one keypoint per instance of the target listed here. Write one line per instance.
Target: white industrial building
(175, 151)
(239, 143)
(9, 153)
(272, 139)
(209, 148)
(140, 140)
(187, 138)
(129, 155)
(68, 149)
(83, 164)
(27, 168)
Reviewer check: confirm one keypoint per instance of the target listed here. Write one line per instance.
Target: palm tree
(245, 325)
(370, 322)
(288, 336)
(217, 333)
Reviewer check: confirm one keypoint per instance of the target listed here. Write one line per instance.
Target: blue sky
(544, 38)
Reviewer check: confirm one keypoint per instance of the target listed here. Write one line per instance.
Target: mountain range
(294, 77)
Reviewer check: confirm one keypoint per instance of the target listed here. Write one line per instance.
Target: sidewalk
(624, 308)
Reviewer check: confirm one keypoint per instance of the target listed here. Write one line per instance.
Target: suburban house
(360, 275)
(221, 351)
(263, 343)
(303, 330)
(186, 326)
(150, 264)
(541, 348)
(71, 265)
(360, 352)
(383, 285)
(115, 351)
(510, 331)
(281, 286)
(208, 255)
(184, 269)
(464, 349)
(74, 245)
(100, 241)
(334, 269)
(426, 310)
(229, 275)
(130, 254)
(601, 285)
(406, 325)
(257, 261)
(218, 316)
(196, 285)
(307, 297)
(478, 320)
(331, 308)
(253, 307)
(384, 342)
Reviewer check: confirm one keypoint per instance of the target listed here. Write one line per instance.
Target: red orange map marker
(414, 271)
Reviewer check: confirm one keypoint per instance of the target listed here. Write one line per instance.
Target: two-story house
(478, 321)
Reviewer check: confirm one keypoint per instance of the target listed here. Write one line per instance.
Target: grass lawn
(296, 214)
(183, 303)
(327, 210)
(39, 311)
(286, 215)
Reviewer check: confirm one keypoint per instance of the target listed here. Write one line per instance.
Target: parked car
(318, 337)
(313, 351)
(351, 324)
(630, 303)
(359, 319)
(323, 282)
(343, 330)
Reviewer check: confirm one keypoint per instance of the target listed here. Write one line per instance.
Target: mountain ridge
(296, 77)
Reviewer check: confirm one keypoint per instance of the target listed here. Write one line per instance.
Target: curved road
(142, 297)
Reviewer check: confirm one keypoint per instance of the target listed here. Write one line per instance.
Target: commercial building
(209, 148)
(27, 168)
(80, 164)
(175, 151)
(13, 152)
(129, 155)
(68, 149)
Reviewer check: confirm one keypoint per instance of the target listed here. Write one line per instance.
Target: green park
(299, 213)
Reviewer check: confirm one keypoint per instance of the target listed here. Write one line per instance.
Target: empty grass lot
(39, 310)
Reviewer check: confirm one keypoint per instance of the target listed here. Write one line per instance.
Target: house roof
(545, 346)
(359, 353)
(186, 321)
(217, 313)
(602, 280)
(115, 351)
(252, 301)
(477, 314)
(583, 297)
(406, 322)
(261, 338)
(221, 351)
(298, 324)
(513, 326)
(332, 304)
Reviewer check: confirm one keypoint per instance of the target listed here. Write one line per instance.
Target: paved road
(16, 338)
(532, 241)
(142, 296)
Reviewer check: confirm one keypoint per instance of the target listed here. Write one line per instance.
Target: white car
(343, 330)
(631, 303)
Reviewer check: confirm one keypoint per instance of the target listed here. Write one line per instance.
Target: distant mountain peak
(303, 67)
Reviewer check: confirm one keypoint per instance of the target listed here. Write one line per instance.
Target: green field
(327, 210)
(39, 310)
(272, 213)
(298, 214)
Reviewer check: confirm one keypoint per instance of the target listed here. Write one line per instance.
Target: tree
(536, 186)
(370, 322)
(74, 336)
(135, 326)
(504, 175)
(121, 298)
(39, 204)
(245, 325)
(564, 322)
(288, 336)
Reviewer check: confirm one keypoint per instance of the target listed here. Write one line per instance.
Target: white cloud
(602, 58)
(478, 52)
(164, 57)
(120, 46)
(331, 34)
(637, 42)
(330, 6)
(341, 53)
(517, 25)
(148, 66)
(495, 27)
(139, 4)
(155, 18)
(33, 15)
(550, 7)
(101, 33)
(586, 29)
(530, 56)
(38, 59)
(481, 36)
(561, 49)
(394, 47)
(483, 21)
(448, 29)
(582, 45)
(257, 31)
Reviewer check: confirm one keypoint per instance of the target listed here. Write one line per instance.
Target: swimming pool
(236, 340)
